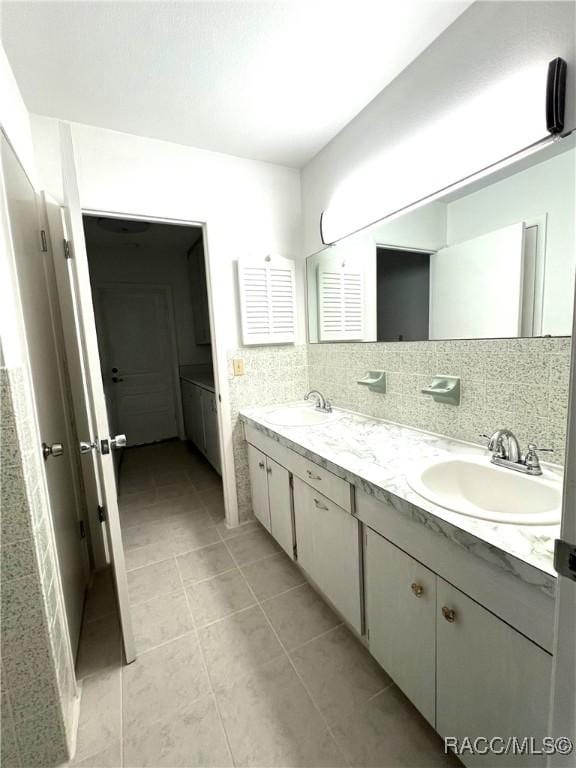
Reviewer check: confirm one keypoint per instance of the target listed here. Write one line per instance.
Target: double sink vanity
(440, 561)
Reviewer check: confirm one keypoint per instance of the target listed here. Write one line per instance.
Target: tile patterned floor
(240, 662)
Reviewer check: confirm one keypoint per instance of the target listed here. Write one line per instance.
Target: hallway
(224, 675)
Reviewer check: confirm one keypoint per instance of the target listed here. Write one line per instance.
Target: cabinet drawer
(334, 488)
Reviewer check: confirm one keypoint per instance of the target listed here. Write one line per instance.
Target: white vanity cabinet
(491, 680)
(200, 411)
(468, 672)
(210, 423)
(271, 497)
(401, 616)
(328, 546)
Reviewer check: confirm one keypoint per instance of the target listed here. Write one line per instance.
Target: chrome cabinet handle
(261, 464)
(56, 449)
(312, 476)
(269, 470)
(318, 505)
(449, 614)
(417, 589)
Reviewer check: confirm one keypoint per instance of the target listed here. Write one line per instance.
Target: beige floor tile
(100, 646)
(163, 681)
(101, 597)
(153, 580)
(193, 737)
(252, 546)
(174, 544)
(204, 563)
(299, 615)
(388, 732)
(187, 527)
(271, 721)
(169, 476)
(100, 722)
(218, 597)
(111, 757)
(160, 620)
(236, 645)
(174, 490)
(272, 575)
(240, 530)
(339, 672)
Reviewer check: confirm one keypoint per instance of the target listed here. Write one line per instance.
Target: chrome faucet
(322, 404)
(506, 453)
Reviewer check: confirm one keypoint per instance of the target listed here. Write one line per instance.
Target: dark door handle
(116, 379)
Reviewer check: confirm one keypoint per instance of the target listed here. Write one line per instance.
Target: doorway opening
(150, 298)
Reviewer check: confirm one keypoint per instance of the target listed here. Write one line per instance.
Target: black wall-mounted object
(556, 95)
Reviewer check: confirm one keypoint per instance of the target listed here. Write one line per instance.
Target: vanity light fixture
(465, 146)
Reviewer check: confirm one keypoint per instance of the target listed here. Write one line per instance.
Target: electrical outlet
(238, 365)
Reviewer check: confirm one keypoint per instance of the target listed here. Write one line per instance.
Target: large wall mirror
(495, 258)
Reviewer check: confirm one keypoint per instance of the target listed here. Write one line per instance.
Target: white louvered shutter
(340, 302)
(267, 300)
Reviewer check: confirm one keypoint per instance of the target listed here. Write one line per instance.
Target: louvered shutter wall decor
(340, 302)
(267, 300)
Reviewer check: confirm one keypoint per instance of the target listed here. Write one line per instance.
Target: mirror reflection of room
(488, 260)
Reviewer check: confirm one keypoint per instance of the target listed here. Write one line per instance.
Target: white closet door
(476, 286)
(340, 301)
(267, 300)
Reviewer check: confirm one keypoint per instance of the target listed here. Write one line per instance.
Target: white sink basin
(299, 416)
(474, 487)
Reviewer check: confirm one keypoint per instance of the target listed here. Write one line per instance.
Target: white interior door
(138, 359)
(476, 286)
(43, 328)
(56, 235)
(86, 349)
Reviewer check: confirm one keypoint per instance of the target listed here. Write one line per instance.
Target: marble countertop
(202, 378)
(376, 456)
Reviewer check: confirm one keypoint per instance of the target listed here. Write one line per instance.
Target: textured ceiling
(272, 81)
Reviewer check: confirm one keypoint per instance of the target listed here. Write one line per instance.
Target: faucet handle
(531, 460)
(532, 448)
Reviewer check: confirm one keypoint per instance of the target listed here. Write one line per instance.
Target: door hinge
(101, 514)
(82, 529)
(565, 559)
(43, 241)
(67, 250)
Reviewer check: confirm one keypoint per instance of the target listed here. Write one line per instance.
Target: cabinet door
(211, 436)
(280, 503)
(259, 485)
(196, 418)
(491, 680)
(401, 617)
(186, 408)
(328, 547)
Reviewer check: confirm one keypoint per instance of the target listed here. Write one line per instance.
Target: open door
(89, 400)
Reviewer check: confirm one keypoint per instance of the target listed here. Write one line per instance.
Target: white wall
(122, 266)
(250, 209)
(489, 41)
